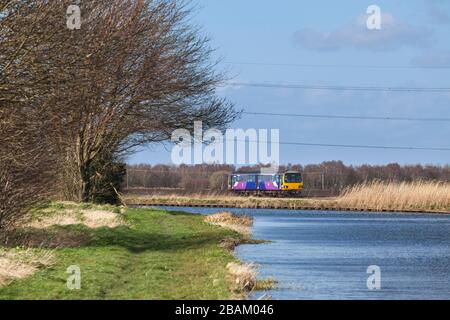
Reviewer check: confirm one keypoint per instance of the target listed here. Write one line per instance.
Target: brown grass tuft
(101, 218)
(238, 223)
(230, 218)
(19, 264)
(88, 217)
(244, 276)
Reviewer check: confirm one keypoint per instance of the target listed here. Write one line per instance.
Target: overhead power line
(337, 88)
(365, 146)
(348, 117)
(355, 146)
(349, 146)
(344, 66)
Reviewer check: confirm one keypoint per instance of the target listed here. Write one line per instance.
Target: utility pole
(323, 181)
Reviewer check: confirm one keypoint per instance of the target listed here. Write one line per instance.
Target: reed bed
(414, 196)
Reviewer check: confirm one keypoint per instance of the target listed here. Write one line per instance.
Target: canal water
(326, 255)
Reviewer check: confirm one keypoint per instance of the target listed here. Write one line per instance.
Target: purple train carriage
(288, 183)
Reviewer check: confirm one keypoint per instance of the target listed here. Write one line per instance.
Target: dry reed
(238, 223)
(244, 276)
(417, 196)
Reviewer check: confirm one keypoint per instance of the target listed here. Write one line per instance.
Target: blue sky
(414, 33)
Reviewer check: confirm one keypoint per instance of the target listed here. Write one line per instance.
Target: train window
(292, 178)
(250, 178)
(268, 178)
(243, 178)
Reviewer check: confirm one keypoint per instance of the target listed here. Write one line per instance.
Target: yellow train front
(289, 183)
(292, 183)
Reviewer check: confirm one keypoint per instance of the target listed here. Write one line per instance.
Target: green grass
(158, 255)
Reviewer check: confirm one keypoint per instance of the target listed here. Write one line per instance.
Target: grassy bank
(413, 197)
(136, 254)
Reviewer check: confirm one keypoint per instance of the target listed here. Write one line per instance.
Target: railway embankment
(416, 197)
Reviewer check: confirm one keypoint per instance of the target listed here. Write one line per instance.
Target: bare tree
(136, 71)
(25, 152)
(139, 70)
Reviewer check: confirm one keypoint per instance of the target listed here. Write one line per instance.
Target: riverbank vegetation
(241, 223)
(377, 196)
(122, 254)
(417, 196)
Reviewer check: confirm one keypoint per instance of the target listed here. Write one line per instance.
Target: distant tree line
(333, 176)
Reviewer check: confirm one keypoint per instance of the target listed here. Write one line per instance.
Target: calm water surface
(325, 255)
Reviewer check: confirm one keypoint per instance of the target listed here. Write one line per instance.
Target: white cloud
(393, 35)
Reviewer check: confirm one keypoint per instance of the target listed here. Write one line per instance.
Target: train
(289, 183)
